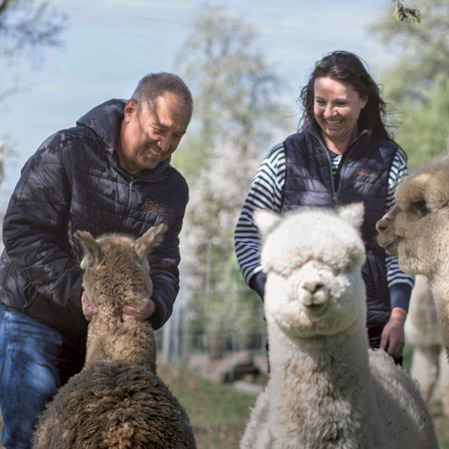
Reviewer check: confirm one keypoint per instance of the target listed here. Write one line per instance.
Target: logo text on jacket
(154, 206)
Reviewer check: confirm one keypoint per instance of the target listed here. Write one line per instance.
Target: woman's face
(337, 107)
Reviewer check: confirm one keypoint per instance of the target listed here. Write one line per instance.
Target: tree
(236, 112)
(416, 84)
(424, 130)
(26, 27)
(423, 51)
(401, 13)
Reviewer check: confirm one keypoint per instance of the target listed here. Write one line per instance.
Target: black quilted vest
(361, 177)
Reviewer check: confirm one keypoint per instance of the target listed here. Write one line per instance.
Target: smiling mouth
(154, 152)
(334, 123)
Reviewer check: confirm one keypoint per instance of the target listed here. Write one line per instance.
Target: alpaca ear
(149, 240)
(266, 220)
(352, 214)
(92, 250)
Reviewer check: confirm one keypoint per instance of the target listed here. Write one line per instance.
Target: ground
(219, 413)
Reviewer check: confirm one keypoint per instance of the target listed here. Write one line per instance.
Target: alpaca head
(312, 259)
(116, 267)
(417, 228)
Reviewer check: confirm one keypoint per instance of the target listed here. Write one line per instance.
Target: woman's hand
(393, 337)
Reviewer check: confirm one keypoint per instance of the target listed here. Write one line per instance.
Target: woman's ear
(364, 101)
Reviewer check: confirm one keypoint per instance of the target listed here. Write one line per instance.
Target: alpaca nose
(312, 286)
(314, 293)
(382, 225)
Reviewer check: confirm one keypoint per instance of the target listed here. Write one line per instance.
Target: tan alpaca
(117, 401)
(326, 389)
(417, 231)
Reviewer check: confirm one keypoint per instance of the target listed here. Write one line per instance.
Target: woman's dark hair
(348, 68)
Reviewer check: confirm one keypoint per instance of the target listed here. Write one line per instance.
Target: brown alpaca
(117, 401)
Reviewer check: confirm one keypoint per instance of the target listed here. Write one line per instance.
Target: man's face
(151, 133)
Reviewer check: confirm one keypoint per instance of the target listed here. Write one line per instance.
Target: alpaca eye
(342, 270)
(421, 209)
(283, 273)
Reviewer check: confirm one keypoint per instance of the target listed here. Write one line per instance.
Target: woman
(341, 154)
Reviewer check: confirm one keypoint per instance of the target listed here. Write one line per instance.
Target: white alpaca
(326, 389)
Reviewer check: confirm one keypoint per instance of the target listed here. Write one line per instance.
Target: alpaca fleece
(117, 401)
(327, 390)
(114, 405)
(416, 230)
(422, 330)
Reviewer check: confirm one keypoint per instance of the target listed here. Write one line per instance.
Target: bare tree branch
(28, 25)
(401, 13)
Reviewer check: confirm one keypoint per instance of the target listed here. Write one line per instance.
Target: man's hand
(88, 306)
(140, 311)
(393, 338)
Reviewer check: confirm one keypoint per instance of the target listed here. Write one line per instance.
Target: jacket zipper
(344, 157)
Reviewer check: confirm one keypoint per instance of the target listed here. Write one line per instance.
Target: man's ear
(130, 109)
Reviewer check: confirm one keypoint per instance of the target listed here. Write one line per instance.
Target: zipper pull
(335, 201)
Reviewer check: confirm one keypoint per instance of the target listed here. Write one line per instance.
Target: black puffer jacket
(74, 182)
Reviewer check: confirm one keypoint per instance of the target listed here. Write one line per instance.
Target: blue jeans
(35, 360)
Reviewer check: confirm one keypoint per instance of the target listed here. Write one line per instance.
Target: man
(110, 173)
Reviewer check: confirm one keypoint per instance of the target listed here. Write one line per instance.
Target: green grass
(441, 425)
(218, 412)
(441, 421)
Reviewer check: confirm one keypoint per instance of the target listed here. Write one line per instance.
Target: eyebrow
(159, 125)
(164, 128)
(317, 97)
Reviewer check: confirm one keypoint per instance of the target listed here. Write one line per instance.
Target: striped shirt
(266, 192)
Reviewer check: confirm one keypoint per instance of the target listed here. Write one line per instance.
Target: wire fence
(215, 313)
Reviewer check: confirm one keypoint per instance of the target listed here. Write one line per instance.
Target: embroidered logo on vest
(366, 174)
(154, 206)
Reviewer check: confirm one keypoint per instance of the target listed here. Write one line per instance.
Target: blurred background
(245, 63)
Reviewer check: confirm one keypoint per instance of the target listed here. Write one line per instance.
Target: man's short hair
(155, 84)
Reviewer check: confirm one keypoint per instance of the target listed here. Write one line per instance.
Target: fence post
(166, 350)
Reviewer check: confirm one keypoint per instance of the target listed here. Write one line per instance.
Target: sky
(110, 44)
